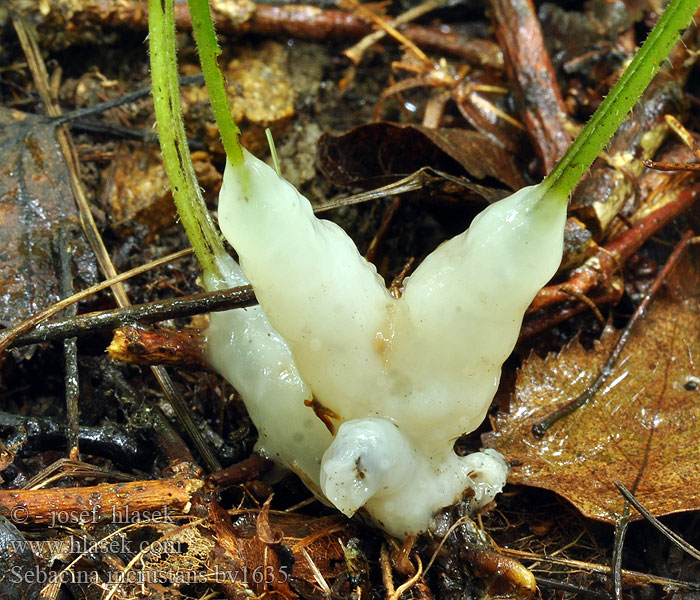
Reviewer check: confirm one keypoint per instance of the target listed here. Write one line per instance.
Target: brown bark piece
(121, 501)
(535, 84)
(599, 197)
(578, 244)
(159, 347)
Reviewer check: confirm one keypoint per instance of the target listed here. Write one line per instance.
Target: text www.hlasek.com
(261, 575)
(115, 545)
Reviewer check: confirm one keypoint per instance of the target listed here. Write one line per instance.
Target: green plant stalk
(613, 110)
(553, 190)
(209, 50)
(190, 204)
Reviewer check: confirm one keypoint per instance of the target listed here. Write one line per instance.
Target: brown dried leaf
(380, 149)
(35, 201)
(265, 533)
(240, 547)
(643, 426)
(137, 189)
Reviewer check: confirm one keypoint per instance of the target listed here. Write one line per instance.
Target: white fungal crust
(404, 377)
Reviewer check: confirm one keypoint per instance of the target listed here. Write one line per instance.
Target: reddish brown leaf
(643, 426)
(381, 149)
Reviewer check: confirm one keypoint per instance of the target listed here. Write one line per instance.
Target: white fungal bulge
(398, 380)
(248, 352)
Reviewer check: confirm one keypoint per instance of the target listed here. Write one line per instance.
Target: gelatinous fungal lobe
(443, 342)
(323, 309)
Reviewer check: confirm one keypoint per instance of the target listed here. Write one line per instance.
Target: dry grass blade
(355, 52)
(66, 467)
(318, 576)
(390, 29)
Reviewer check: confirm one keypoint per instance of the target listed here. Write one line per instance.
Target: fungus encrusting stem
(399, 379)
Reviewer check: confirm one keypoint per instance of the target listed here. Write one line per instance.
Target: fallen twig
(159, 347)
(120, 502)
(534, 81)
(245, 470)
(8, 336)
(598, 269)
(634, 578)
(109, 440)
(301, 21)
(151, 312)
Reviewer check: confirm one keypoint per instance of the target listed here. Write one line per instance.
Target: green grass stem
(613, 110)
(190, 204)
(209, 50)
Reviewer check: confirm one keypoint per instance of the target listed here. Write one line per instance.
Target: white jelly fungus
(397, 380)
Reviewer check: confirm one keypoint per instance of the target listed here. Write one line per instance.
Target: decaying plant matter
(114, 444)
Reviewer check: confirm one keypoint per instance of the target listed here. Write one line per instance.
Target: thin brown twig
(687, 138)
(586, 300)
(598, 268)
(299, 21)
(389, 214)
(8, 336)
(676, 539)
(396, 286)
(577, 590)
(71, 376)
(621, 528)
(150, 312)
